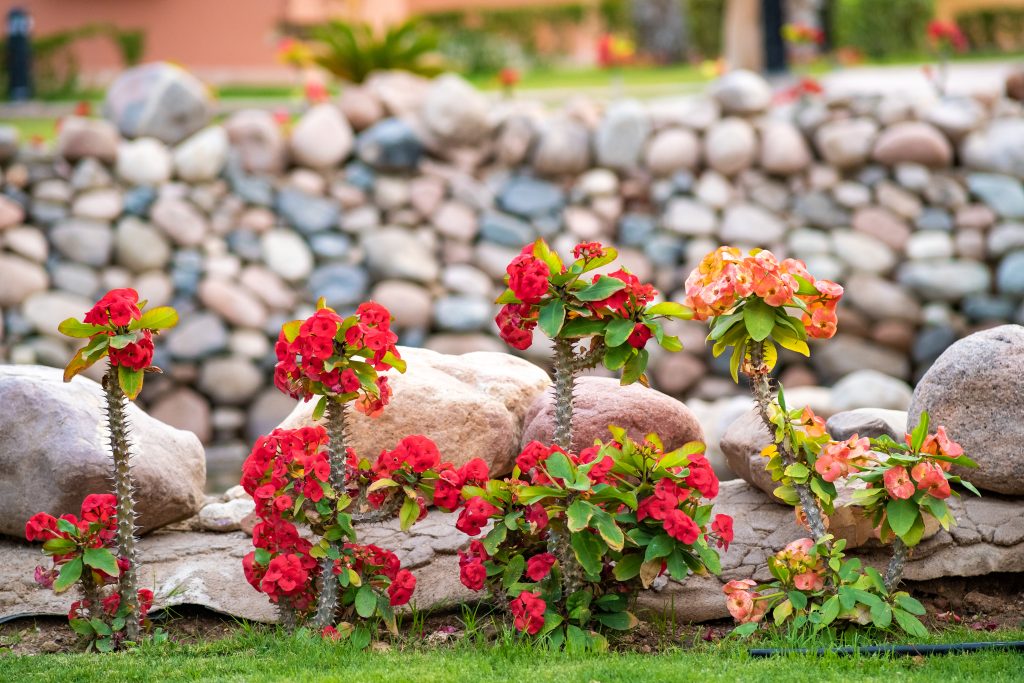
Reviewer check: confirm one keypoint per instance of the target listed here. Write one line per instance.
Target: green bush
(883, 28)
(704, 20)
(353, 51)
(480, 53)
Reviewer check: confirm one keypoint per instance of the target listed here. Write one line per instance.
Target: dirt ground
(983, 603)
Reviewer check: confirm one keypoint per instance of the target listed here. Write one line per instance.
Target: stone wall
(417, 194)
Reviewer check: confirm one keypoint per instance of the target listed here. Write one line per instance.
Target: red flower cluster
(472, 572)
(837, 458)
(117, 308)
(474, 516)
(539, 566)
(317, 358)
(528, 276)
(516, 323)
(943, 34)
(724, 278)
(722, 527)
(96, 528)
(626, 302)
(528, 610)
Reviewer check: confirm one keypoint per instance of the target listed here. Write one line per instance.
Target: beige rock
(232, 302)
(915, 142)
(21, 279)
(471, 405)
(322, 137)
(56, 428)
(184, 409)
(11, 213)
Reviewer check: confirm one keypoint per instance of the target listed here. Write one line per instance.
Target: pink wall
(202, 35)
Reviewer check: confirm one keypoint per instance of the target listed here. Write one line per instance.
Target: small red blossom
(401, 588)
(539, 566)
(528, 610)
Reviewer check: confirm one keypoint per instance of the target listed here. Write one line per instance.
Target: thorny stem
(90, 593)
(761, 387)
(894, 573)
(565, 366)
(117, 422)
(327, 601)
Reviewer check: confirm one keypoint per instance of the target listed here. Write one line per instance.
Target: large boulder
(602, 401)
(158, 100)
(974, 390)
(470, 405)
(54, 452)
(741, 444)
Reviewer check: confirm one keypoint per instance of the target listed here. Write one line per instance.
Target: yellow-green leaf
(130, 381)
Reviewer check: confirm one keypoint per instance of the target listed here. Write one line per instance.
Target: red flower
(135, 356)
(475, 515)
(639, 337)
(41, 527)
(99, 507)
(516, 323)
(528, 610)
(401, 587)
(446, 495)
(588, 250)
(898, 483)
(702, 477)
(420, 452)
(536, 515)
(475, 471)
(723, 527)
(472, 572)
(539, 566)
(117, 307)
(508, 77)
(528, 276)
(111, 603)
(679, 526)
(656, 506)
(534, 454)
(285, 576)
(145, 599)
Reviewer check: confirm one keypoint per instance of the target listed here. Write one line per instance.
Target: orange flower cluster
(725, 277)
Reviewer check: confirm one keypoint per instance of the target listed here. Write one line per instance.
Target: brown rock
(360, 107)
(11, 213)
(602, 401)
(677, 372)
(81, 137)
(742, 443)
(233, 303)
(470, 405)
(55, 428)
(883, 225)
(914, 142)
(257, 139)
(974, 390)
(184, 409)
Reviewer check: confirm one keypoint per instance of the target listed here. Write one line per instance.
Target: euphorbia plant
(615, 313)
(632, 513)
(905, 482)
(289, 477)
(81, 553)
(117, 328)
(339, 360)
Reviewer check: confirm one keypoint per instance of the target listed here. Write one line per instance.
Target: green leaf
(558, 466)
(759, 318)
(79, 330)
(86, 356)
(507, 297)
(618, 331)
(609, 530)
(660, 546)
(360, 638)
(628, 566)
(58, 546)
(588, 551)
(130, 381)
(909, 604)
(616, 356)
(619, 621)
(409, 513)
(366, 602)
(159, 318)
(830, 610)
(744, 630)
(82, 627)
(782, 611)
(916, 533)
(602, 289)
(671, 343)
(910, 623)
(737, 357)
(69, 573)
(901, 515)
(551, 317)
(100, 626)
(513, 570)
(798, 599)
(578, 515)
(920, 432)
(635, 367)
(670, 309)
(582, 327)
(787, 339)
(320, 408)
(494, 538)
(291, 330)
(102, 559)
(105, 645)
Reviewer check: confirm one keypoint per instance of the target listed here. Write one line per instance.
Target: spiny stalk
(327, 601)
(117, 422)
(761, 388)
(894, 572)
(565, 382)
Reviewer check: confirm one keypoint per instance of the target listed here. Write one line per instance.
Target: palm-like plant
(353, 51)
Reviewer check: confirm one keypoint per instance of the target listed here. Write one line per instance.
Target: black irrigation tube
(903, 650)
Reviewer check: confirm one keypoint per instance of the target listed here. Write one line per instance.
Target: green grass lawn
(262, 654)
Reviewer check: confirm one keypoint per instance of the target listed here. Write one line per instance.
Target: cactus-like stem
(565, 381)
(286, 614)
(327, 601)
(117, 422)
(91, 593)
(565, 363)
(761, 387)
(894, 573)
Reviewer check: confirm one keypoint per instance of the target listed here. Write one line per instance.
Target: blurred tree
(660, 28)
